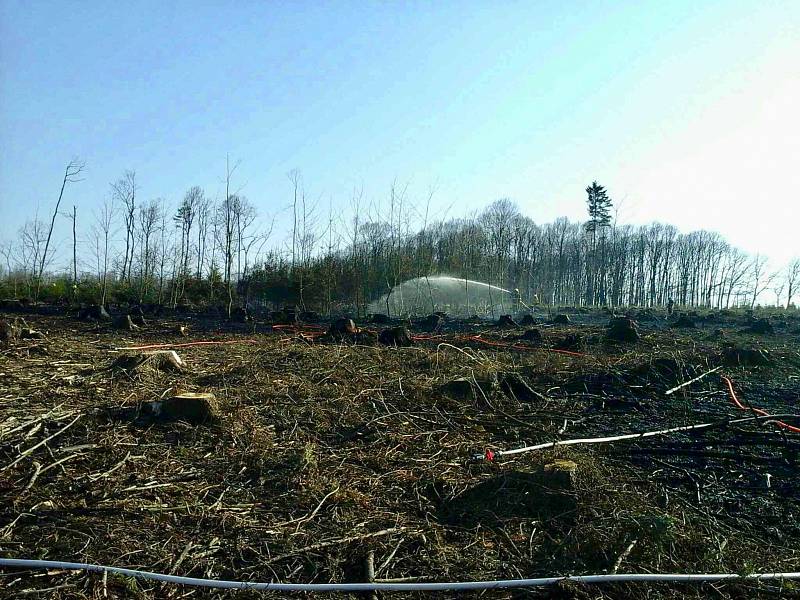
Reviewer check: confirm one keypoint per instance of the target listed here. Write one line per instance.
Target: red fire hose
(758, 411)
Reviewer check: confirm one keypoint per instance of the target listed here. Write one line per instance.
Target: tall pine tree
(599, 205)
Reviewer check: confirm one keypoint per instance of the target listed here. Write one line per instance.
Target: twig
(33, 421)
(185, 344)
(617, 438)
(369, 572)
(311, 515)
(691, 381)
(111, 470)
(30, 591)
(42, 443)
(464, 352)
(623, 556)
(58, 462)
(346, 540)
(181, 558)
(38, 466)
(386, 562)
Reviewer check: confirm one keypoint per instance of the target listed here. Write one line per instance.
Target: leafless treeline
(216, 250)
(141, 250)
(559, 263)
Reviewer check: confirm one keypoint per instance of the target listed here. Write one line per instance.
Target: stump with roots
(124, 323)
(532, 335)
(561, 319)
(622, 329)
(94, 312)
(342, 329)
(506, 321)
(431, 323)
(745, 357)
(395, 336)
(9, 331)
(286, 316)
(515, 386)
(163, 360)
(137, 317)
(240, 315)
(684, 321)
(760, 327)
(544, 493)
(458, 389)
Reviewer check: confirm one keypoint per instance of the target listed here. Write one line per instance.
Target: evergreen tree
(599, 205)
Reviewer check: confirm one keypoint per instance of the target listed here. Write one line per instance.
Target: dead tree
(149, 217)
(760, 278)
(7, 250)
(104, 220)
(203, 215)
(184, 219)
(71, 173)
(226, 216)
(792, 278)
(74, 218)
(124, 194)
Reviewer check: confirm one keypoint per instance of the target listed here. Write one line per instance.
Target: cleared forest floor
(325, 451)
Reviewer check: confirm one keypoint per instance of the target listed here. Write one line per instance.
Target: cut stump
(193, 407)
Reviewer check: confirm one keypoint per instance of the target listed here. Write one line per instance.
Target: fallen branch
(623, 556)
(4, 433)
(491, 454)
(346, 540)
(691, 381)
(185, 344)
(42, 443)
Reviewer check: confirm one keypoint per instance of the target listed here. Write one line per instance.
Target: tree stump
(395, 336)
(506, 321)
(532, 335)
(124, 323)
(198, 408)
(622, 329)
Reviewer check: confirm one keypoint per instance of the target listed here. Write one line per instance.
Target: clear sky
(688, 112)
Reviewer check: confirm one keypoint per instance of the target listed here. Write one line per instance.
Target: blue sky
(686, 111)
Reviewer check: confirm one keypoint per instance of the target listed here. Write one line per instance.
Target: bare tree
(149, 218)
(124, 195)
(7, 250)
(203, 215)
(761, 280)
(163, 251)
(33, 238)
(184, 219)
(71, 173)
(74, 218)
(792, 278)
(296, 179)
(226, 217)
(104, 222)
(355, 262)
(245, 216)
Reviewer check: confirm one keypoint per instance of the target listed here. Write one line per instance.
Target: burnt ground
(324, 451)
